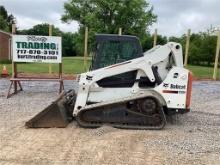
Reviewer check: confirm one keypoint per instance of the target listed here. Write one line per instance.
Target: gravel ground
(193, 138)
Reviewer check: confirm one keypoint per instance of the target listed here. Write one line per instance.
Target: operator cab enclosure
(112, 49)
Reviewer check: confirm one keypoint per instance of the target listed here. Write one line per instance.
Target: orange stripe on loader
(189, 90)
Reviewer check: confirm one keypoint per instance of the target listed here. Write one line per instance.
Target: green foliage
(147, 41)
(68, 39)
(41, 29)
(3, 24)
(69, 44)
(6, 20)
(3, 12)
(201, 49)
(133, 16)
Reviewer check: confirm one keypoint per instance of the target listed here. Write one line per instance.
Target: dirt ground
(193, 138)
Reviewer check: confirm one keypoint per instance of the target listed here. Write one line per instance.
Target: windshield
(112, 52)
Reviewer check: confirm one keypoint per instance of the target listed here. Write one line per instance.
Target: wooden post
(60, 70)
(187, 47)
(14, 65)
(155, 38)
(216, 57)
(14, 74)
(50, 34)
(86, 49)
(120, 31)
(13, 29)
(61, 78)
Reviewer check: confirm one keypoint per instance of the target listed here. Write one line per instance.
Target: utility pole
(50, 34)
(14, 65)
(86, 49)
(216, 57)
(155, 38)
(187, 47)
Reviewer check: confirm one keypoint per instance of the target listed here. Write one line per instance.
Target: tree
(161, 40)
(207, 48)
(133, 16)
(147, 42)
(6, 20)
(69, 44)
(3, 12)
(3, 24)
(11, 20)
(68, 39)
(41, 29)
(201, 48)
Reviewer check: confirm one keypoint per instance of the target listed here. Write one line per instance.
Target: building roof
(5, 32)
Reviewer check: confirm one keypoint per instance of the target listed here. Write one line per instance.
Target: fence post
(50, 34)
(86, 48)
(120, 31)
(216, 57)
(187, 47)
(14, 65)
(155, 38)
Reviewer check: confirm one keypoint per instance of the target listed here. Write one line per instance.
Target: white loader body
(172, 91)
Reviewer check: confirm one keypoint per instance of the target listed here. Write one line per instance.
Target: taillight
(189, 90)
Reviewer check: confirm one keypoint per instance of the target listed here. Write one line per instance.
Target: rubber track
(83, 123)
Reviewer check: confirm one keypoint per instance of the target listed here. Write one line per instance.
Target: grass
(202, 71)
(75, 65)
(71, 65)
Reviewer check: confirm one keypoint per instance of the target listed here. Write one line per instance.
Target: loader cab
(113, 49)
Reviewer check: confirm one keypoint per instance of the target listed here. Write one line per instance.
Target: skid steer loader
(125, 88)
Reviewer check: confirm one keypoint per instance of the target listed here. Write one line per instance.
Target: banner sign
(43, 49)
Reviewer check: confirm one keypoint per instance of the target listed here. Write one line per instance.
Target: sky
(174, 16)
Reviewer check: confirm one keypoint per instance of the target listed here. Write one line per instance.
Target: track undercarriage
(133, 113)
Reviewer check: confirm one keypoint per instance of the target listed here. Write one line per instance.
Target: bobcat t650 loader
(124, 88)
